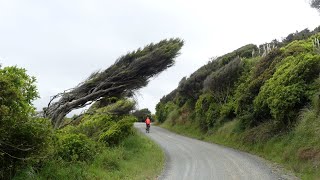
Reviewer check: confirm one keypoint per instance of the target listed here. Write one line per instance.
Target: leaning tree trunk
(130, 72)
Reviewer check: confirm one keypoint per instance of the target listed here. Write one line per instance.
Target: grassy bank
(298, 150)
(137, 157)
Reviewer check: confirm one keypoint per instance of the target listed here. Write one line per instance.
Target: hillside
(263, 99)
(101, 142)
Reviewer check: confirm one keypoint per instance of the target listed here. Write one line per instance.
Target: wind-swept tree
(129, 73)
(315, 4)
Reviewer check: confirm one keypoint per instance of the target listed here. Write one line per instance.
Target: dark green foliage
(170, 96)
(142, 114)
(118, 131)
(302, 35)
(296, 48)
(287, 91)
(163, 110)
(250, 87)
(75, 147)
(27, 142)
(227, 111)
(221, 82)
(191, 88)
(23, 138)
(264, 70)
(262, 96)
(93, 125)
(17, 92)
(104, 102)
(207, 111)
(266, 62)
(243, 52)
(122, 106)
(254, 89)
(316, 30)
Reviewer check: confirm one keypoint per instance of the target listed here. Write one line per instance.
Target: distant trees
(142, 114)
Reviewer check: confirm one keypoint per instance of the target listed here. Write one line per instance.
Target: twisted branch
(129, 73)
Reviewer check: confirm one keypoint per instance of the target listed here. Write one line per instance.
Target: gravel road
(188, 158)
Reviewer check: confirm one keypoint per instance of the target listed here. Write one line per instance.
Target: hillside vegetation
(263, 99)
(98, 144)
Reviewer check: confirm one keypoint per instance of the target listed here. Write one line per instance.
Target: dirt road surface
(188, 158)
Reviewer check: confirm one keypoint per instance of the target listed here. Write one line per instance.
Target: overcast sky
(61, 42)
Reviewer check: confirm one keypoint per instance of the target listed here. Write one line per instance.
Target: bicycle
(148, 128)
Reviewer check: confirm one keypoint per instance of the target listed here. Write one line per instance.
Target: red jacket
(147, 121)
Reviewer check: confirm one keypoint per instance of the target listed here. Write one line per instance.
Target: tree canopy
(315, 4)
(129, 73)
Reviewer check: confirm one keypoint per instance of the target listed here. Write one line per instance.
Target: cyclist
(148, 122)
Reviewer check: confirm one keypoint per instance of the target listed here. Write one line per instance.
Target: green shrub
(227, 111)
(173, 116)
(251, 83)
(287, 91)
(163, 110)
(207, 111)
(75, 147)
(297, 47)
(212, 115)
(221, 82)
(94, 125)
(120, 107)
(23, 139)
(118, 131)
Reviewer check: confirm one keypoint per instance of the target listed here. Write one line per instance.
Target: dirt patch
(308, 154)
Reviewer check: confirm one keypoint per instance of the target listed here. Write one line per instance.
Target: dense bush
(287, 91)
(120, 107)
(93, 125)
(163, 110)
(191, 88)
(221, 82)
(75, 147)
(228, 111)
(252, 88)
(24, 139)
(118, 131)
(252, 82)
(207, 111)
(172, 94)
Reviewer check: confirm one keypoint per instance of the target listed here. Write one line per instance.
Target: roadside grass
(137, 157)
(188, 129)
(297, 151)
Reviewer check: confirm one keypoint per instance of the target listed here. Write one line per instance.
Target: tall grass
(297, 150)
(137, 157)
